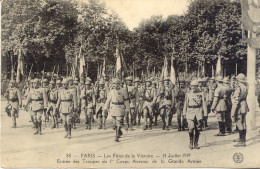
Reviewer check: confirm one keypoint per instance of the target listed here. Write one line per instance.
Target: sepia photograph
(130, 84)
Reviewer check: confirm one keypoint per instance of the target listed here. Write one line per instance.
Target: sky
(132, 12)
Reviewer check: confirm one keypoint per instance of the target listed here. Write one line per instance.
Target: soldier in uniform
(132, 93)
(53, 98)
(156, 112)
(139, 102)
(14, 98)
(202, 88)
(44, 85)
(25, 96)
(88, 102)
(101, 96)
(75, 114)
(67, 104)
(193, 107)
(240, 109)
(39, 101)
(148, 96)
(118, 103)
(58, 87)
(229, 90)
(179, 97)
(166, 96)
(219, 105)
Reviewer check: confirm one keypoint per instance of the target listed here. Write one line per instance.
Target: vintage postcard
(130, 84)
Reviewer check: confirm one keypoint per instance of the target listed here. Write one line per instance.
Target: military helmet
(12, 81)
(58, 82)
(52, 82)
(115, 81)
(88, 79)
(87, 82)
(65, 81)
(129, 78)
(101, 82)
(45, 81)
(219, 78)
(194, 83)
(241, 78)
(137, 79)
(226, 80)
(75, 82)
(199, 80)
(36, 80)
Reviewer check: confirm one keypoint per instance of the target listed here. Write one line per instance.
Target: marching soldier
(202, 88)
(132, 93)
(53, 98)
(39, 100)
(219, 105)
(75, 113)
(67, 104)
(240, 109)
(193, 106)
(14, 98)
(166, 103)
(229, 90)
(44, 85)
(139, 102)
(58, 87)
(118, 103)
(101, 96)
(87, 97)
(156, 105)
(148, 96)
(179, 103)
(29, 106)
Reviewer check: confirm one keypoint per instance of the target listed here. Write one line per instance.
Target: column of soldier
(132, 100)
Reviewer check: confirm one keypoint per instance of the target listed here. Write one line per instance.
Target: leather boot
(36, 128)
(40, 128)
(197, 134)
(191, 135)
(127, 123)
(66, 130)
(117, 134)
(120, 133)
(69, 131)
(100, 123)
(104, 124)
(89, 123)
(242, 142)
(239, 139)
(179, 124)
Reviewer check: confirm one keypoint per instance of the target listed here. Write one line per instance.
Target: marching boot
(145, 124)
(179, 124)
(127, 123)
(100, 123)
(117, 134)
(191, 135)
(36, 128)
(242, 142)
(69, 131)
(89, 123)
(66, 129)
(139, 121)
(221, 133)
(104, 124)
(155, 120)
(54, 123)
(40, 128)
(120, 133)
(197, 134)
(239, 139)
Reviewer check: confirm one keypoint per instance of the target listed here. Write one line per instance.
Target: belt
(53, 101)
(66, 100)
(37, 100)
(118, 103)
(194, 106)
(148, 100)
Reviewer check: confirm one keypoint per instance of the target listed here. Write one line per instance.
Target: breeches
(66, 117)
(117, 120)
(241, 121)
(192, 123)
(38, 115)
(221, 116)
